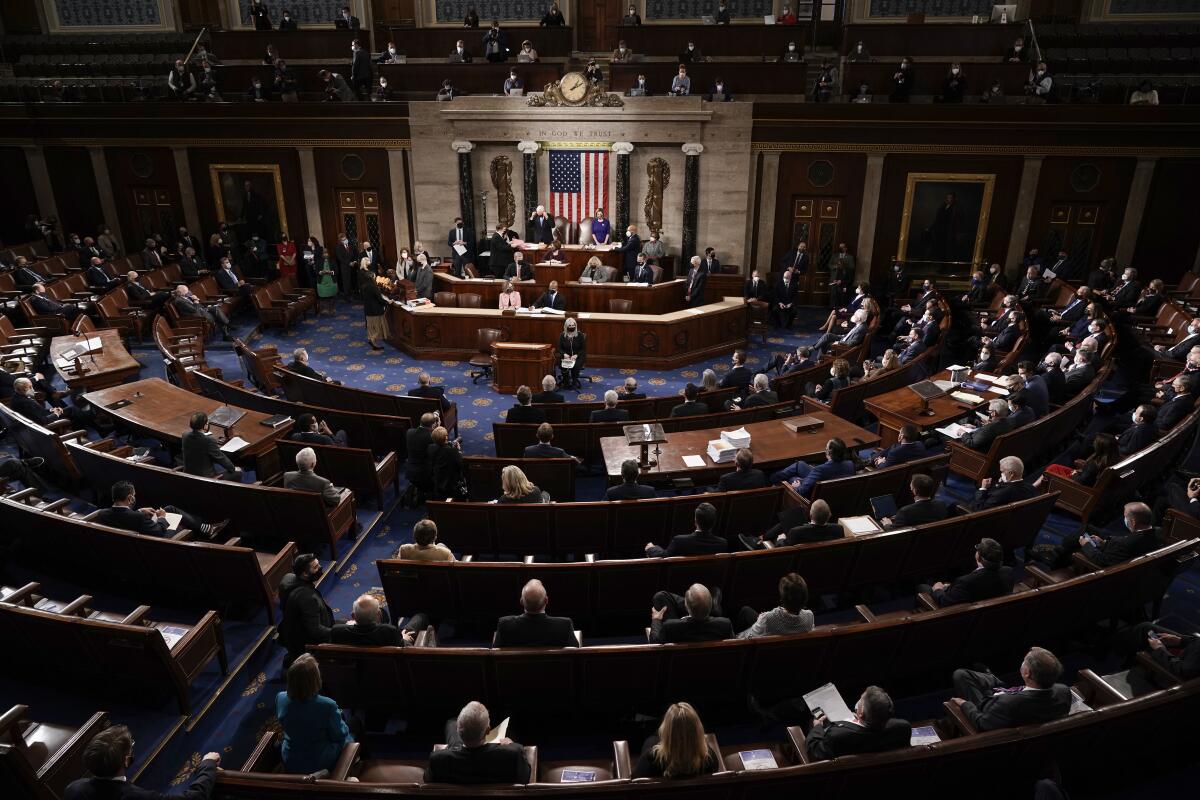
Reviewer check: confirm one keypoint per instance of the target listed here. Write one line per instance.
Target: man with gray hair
(300, 366)
(689, 618)
(998, 424)
(306, 479)
(760, 394)
(1139, 537)
(989, 706)
(610, 412)
(468, 759)
(547, 394)
(367, 628)
(190, 307)
(630, 391)
(874, 729)
(535, 628)
(1011, 488)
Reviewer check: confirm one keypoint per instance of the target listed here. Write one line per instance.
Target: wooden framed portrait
(249, 199)
(945, 218)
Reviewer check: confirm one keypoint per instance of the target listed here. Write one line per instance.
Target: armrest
(865, 613)
(71, 435)
(59, 424)
(621, 767)
(137, 616)
(531, 755)
(796, 736)
(925, 601)
(1081, 563)
(78, 607)
(347, 759)
(24, 595)
(1097, 692)
(1044, 578)
(1161, 675)
(959, 718)
(184, 535)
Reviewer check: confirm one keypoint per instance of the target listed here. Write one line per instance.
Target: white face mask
(392, 50)
(691, 47)
(955, 71)
(791, 47)
(859, 48)
(720, 87)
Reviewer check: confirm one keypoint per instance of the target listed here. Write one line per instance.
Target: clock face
(574, 87)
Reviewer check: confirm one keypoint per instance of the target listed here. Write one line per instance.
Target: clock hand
(576, 85)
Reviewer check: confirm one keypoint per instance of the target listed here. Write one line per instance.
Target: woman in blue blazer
(314, 732)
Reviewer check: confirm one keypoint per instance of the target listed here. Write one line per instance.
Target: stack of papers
(233, 445)
(549, 310)
(693, 462)
(983, 376)
(967, 397)
(739, 438)
(859, 526)
(721, 451)
(954, 430)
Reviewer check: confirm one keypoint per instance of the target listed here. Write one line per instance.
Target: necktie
(1009, 690)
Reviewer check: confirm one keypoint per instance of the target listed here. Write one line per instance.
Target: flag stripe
(578, 183)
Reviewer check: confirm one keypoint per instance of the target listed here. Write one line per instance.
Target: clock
(574, 87)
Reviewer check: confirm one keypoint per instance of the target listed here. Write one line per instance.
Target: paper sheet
(983, 376)
(758, 759)
(233, 445)
(954, 430)
(498, 732)
(460, 249)
(173, 520)
(828, 701)
(693, 462)
(923, 735)
(172, 634)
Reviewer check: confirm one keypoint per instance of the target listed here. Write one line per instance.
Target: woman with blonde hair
(679, 750)
(314, 732)
(516, 488)
(595, 271)
(510, 297)
(708, 381)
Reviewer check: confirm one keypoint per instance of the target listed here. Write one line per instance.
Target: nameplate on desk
(118, 404)
(508, 312)
(578, 775)
(803, 424)
(275, 420)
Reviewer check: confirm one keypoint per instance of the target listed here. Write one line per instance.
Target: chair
(758, 321)
(469, 300)
(445, 299)
(482, 361)
(620, 306)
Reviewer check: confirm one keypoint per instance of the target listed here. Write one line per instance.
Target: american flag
(578, 183)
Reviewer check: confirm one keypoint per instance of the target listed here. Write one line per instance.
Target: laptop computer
(883, 506)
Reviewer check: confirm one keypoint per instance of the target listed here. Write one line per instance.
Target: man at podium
(572, 352)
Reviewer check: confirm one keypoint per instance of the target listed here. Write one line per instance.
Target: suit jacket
(46, 305)
(227, 280)
(687, 629)
(307, 618)
(629, 491)
(1031, 288)
(797, 261)
(742, 479)
(825, 471)
(919, 513)
(525, 414)
(432, 392)
(189, 267)
(1179, 352)
(535, 630)
(836, 739)
(548, 397)
(695, 283)
(691, 544)
(416, 443)
(689, 409)
(1121, 547)
(1007, 337)
(812, 532)
(541, 229)
(201, 452)
(999, 494)
(764, 398)
(785, 293)
(642, 274)
(1056, 384)
(1126, 294)
(468, 240)
(97, 278)
(31, 408)
(489, 763)
(200, 788)
(609, 415)
(423, 283)
(1137, 437)
(739, 377)
(854, 336)
(1037, 395)
(1172, 413)
(523, 273)
(308, 481)
(501, 253)
(361, 70)
(559, 303)
(1009, 710)
(912, 351)
(540, 450)
(1021, 418)
(1073, 311)
(629, 252)
(25, 277)
(130, 519)
(369, 635)
(980, 584)
(755, 291)
(982, 437)
(902, 453)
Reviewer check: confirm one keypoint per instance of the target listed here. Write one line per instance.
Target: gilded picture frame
(945, 218)
(228, 181)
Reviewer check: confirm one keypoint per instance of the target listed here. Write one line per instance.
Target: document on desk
(693, 462)
(923, 734)
(983, 376)
(233, 445)
(173, 521)
(967, 397)
(757, 759)
(954, 430)
(828, 701)
(172, 634)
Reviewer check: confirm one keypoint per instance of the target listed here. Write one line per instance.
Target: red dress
(287, 258)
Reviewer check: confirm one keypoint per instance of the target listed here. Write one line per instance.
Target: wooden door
(596, 22)
(359, 218)
(1076, 228)
(154, 211)
(815, 220)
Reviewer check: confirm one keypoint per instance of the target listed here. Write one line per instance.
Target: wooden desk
(741, 77)
(108, 366)
(902, 407)
(162, 411)
(329, 43)
(772, 444)
(740, 39)
(661, 298)
(930, 74)
(517, 364)
(931, 39)
(439, 42)
(666, 341)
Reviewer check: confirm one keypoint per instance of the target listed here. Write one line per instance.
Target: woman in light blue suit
(314, 732)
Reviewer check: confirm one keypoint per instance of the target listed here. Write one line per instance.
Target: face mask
(720, 87)
(859, 48)
(954, 71)
(392, 50)
(791, 47)
(691, 47)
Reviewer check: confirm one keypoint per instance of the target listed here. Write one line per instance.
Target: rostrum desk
(517, 364)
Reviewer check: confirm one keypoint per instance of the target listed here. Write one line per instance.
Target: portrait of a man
(945, 218)
(249, 198)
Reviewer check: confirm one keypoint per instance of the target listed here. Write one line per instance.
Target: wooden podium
(516, 364)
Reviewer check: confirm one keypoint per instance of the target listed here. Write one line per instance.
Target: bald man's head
(698, 601)
(533, 597)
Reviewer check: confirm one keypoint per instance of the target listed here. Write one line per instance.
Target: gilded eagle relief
(658, 175)
(506, 203)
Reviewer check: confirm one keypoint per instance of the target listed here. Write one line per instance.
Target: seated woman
(314, 732)
(446, 465)
(510, 297)
(556, 252)
(861, 295)
(516, 487)
(709, 382)
(1105, 453)
(595, 271)
(886, 363)
(839, 376)
(679, 750)
(986, 360)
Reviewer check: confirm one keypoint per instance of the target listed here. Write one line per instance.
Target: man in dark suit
(701, 542)
(467, 759)
(998, 424)
(629, 391)
(629, 488)
(989, 706)
(1019, 412)
(1179, 351)
(25, 277)
(761, 394)
(1033, 388)
(1008, 335)
(745, 476)
(1142, 433)
(518, 269)
(535, 628)
(305, 478)
(201, 452)
(230, 283)
(465, 237)
(1011, 487)
(610, 412)
(548, 393)
(1183, 401)
(311, 430)
(346, 21)
(190, 266)
(642, 272)
(501, 251)
(908, 447)
(691, 405)
(189, 306)
(710, 264)
(740, 376)
(97, 278)
(367, 629)
(151, 258)
(923, 509)
(698, 624)
(345, 254)
(425, 389)
(1056, 382)
(44, 304)
(417, 441)
(797, 260)
(989, 579)
(541, 226)
(913, 346)
(1126, 294)
(1139, 538)
(755, 289)
(630, 250)
(1031, 287)
(361, 70)
(551, 298)
(543, 448)
(108, 756)
(307, 618)
(24, 402)
(125, 514)
(783, 300)
(1073, 310)
(873, 729)
(300, 366)
(696, 277)
(522, 411)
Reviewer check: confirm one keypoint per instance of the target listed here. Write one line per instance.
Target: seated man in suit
(107, 757)
(300, 366)
(689, 618)
(416, 463)
(856, 331)
(629, 488)
(306, 479)
(190, 307)
(1139, 538)
(468, 759)
(760, 394)
(1019, 412)
(548, 393)
(745, 476)
(367, 628)
(230, 283)
(998, 423)
(425, 389)
(1181, 403)
(740, 375)
(691, 405)
(543, 448)
(989, 579)
(629, 391)
(911, 345)
(551, 298)
(1033, 387)
(309, 429)
(1179, 350)
(701, 542)
(923, 509)
(610, 412)
(43, 303)
(535, 628)
(1008, 335)
(125, 514)
(201, 452)
(908, 447)
(140, 295)
(800, 358)
(25, 402)
(1078, 376)
(522, 411)
(989, 706)
(874, 729)
(1011, 487)
(797, 527)
(518, 269)
(804, 476)
(97, 278)
(26, 277)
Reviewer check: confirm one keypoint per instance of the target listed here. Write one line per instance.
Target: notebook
(922, 735)
(758, 759)
(883, 506)
(578, 776)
